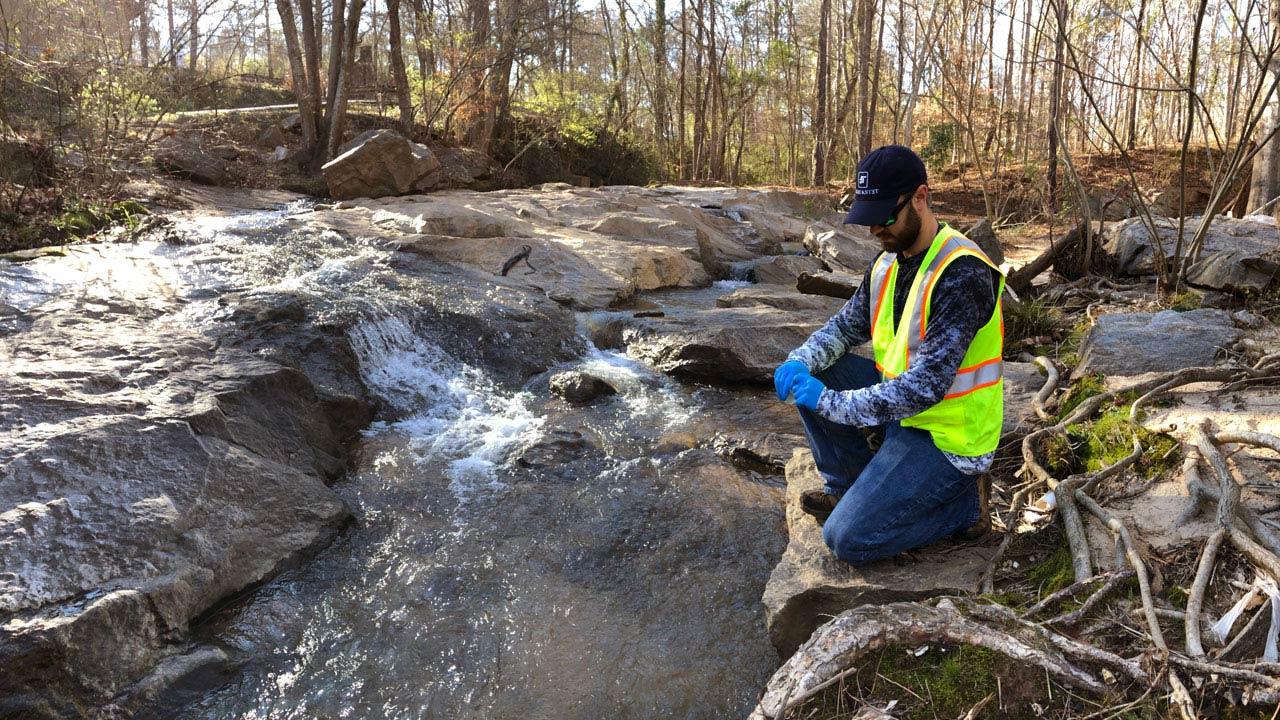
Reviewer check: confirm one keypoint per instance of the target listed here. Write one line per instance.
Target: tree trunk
(337, 28)
(338, 112)
(865, 29)
(1055, 100)
(660, 122)
(1136, 78)
(144, 32)
(1264, 186)
(818, 177)
(301, 88)
(397, 68)
(173, 49)
(311, 56)
(195, 33)
(266, 19)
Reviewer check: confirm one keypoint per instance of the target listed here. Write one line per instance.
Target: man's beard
(902, 234)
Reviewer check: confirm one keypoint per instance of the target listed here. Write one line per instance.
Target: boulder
(847, 248)
(1239, 254)
(984, 235)
(784, 269)
(580, 388)
(272, 136)
(1134, 343)
(724, 345)
(465, 167)
(185, 157)
(810, 585)
(780, 297)
(831, 284)
(379, 163)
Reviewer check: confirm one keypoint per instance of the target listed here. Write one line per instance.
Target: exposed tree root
(838, 646)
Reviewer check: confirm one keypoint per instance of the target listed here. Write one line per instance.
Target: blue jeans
(905, 495)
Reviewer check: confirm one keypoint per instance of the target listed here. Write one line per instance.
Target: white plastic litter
(1261, 585)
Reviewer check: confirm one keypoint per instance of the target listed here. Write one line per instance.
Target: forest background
(1002, 94)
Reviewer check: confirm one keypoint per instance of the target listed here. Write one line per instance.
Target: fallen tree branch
(1079, 613)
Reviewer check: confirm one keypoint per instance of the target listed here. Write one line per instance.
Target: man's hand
(807, 390)
(786, 374)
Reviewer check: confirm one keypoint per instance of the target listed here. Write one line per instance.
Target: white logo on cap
(862, 179)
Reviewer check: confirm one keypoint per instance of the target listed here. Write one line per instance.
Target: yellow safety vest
(967, 420)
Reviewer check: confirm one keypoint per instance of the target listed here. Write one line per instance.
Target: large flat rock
(1134, 343)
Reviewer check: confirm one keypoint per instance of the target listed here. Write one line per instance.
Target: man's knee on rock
(850, 546)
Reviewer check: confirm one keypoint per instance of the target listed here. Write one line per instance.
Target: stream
(510, 556)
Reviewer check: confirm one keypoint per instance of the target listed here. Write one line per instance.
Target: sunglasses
(893, 218)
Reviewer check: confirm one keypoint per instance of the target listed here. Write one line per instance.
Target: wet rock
(185, 478)
(579, 387)
(768, 451)
(741, 344)
(984, 235)
(810, 585)
(784, 269)
(379, 163)
(1135, 343)
(845, 248)
(1239, 254)
(185, 157)
(780, 297)
(838, 285)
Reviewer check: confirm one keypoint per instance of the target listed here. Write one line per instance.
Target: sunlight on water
(459, 416)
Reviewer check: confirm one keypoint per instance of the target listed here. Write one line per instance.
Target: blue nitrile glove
(786, 373)
(807, 389)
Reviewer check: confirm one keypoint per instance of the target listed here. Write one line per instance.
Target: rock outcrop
(737, 344)
(1239, 254)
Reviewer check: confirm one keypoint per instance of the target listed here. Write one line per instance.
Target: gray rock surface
(845, 248)
(579, 387)
(833, 284)
(1134, 343)
(780, 297)
(1239, 254)
(784, 269)
(379, 163)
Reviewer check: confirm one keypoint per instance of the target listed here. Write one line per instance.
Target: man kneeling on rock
(933, 398)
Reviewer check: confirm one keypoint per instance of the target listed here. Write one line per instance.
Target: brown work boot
(983, 526)
(818, 504)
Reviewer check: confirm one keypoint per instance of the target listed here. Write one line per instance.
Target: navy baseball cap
(883, 176)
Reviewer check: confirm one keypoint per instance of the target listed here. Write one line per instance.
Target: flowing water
(510, 556)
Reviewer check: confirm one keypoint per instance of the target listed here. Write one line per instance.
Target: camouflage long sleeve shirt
(963, 301)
